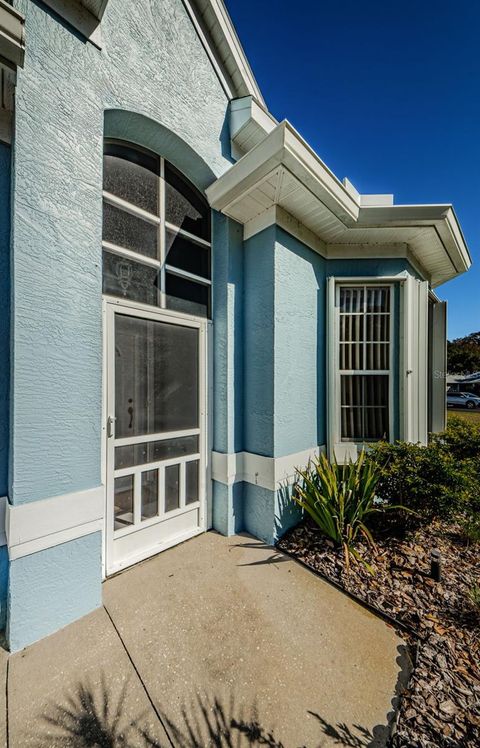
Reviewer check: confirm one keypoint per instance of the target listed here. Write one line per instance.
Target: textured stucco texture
(152, 63)
(52, 588)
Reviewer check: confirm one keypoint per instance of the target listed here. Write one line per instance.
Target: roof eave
(223, 39)
(284, 154)
(440, 217)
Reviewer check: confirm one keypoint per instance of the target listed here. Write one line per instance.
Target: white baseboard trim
(38, 525)
(267, 472)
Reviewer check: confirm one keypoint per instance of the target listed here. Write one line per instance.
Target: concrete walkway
(216, 637)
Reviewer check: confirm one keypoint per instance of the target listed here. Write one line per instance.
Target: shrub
(461, 437)
(470, 525)
(474, 596)
(431, 480)
(340, 499)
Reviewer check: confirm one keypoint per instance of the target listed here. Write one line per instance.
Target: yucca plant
(340, 499)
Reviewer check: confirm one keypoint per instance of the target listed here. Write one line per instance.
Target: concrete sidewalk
(216, 637)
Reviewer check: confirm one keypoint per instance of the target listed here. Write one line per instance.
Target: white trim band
(267, 472)
(39, 525)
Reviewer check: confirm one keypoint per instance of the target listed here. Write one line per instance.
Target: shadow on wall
(287, 514)
(93, 717)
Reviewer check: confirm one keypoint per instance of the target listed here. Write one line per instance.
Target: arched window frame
(166, 271)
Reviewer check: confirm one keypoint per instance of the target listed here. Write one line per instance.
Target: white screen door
(155, 432)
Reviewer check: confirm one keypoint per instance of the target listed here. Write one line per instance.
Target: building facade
(192, 303)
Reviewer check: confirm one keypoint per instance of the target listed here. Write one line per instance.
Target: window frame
(347, 443)
(162, 227)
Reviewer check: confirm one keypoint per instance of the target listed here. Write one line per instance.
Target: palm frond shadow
(92, 717)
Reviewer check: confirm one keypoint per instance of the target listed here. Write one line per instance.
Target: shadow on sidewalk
(93, 718)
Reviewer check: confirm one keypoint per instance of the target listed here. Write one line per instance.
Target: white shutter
(414, 366)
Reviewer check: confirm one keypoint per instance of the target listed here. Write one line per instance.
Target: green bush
(441, 479)
(340, 499)
(462, 438)
(470, 525)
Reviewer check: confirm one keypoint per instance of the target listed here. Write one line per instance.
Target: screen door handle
(110, 421)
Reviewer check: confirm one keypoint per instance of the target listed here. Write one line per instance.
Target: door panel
(156, 448)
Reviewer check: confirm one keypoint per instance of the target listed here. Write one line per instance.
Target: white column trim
(38, 525)
(3, 504)
(267, 472)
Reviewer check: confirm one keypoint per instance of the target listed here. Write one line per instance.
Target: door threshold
(146, 555)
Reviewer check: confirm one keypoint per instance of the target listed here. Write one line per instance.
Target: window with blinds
(364, 344)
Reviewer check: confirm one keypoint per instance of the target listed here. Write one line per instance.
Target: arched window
(156, 232)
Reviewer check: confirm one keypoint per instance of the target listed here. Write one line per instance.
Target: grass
(472, 416)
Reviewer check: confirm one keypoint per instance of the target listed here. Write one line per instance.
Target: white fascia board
(224, 43)
(235, 47)
(454, 241)
(12, 35)
(441, 218)
(376, 200)
(250, 169)
(309, 168)
(249, 124)
(283, 146)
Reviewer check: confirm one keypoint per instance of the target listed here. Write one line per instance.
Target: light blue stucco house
(192, 303)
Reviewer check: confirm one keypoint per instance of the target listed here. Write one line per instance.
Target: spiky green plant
(340, 499)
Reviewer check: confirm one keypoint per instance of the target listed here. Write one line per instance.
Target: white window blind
(364, 352)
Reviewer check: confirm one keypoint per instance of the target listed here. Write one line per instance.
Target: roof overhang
(12, 36)
(218, 34)
(282, 173)
(83, 15)
(249, 124)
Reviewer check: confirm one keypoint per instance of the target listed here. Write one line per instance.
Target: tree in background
(464, 354)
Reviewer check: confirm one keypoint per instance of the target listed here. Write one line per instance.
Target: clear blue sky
(387, 94)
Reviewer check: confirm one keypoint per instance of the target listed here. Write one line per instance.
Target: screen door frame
(111, 307)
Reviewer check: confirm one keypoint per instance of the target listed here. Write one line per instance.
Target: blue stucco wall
(299, 347)
(152, 64)
(153, 83)
(228, 507)
(269, 514)
(4, 569)
(285, 360)
(52, 588)
(5, 176)
(259, 320)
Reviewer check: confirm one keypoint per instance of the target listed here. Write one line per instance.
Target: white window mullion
(162, 236)
(134, 210)
(130, 254)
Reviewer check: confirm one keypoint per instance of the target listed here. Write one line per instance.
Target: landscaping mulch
(441, 704)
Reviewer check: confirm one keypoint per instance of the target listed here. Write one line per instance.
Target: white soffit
(217, 28)
(12, 35)
(283, 171)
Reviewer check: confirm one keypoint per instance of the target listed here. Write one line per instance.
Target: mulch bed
(441, 705)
